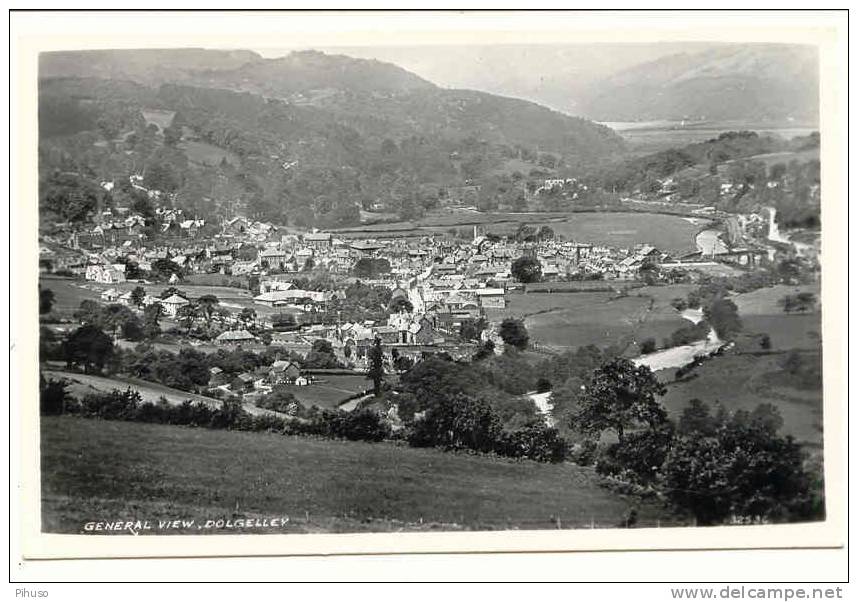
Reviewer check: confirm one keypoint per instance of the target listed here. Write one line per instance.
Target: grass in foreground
(99, 470)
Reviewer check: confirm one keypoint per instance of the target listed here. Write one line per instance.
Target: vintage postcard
(320, 283)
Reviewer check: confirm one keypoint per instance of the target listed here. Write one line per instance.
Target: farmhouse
(283, 372)
(172, 304)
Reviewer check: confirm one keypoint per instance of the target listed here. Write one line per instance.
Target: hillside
(94, 469)
(735, 172)
(309, 139)
(150, 67)
(748, 82)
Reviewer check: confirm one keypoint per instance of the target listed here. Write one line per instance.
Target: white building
(172, 304)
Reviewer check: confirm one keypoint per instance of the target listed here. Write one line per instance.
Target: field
(650, 137)
(571, 320)
(744, 381)
(620, 229)
(204, 153)
(668, 233)
(761, 312)
(70, 292)
(162, 119)
(334, 389)
(98, 470)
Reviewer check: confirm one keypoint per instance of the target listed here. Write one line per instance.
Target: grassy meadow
(743, 381)
(572, 320)
(619, 229)
(330, 390)
(101, 470)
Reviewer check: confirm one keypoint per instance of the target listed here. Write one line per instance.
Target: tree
(514, 333)
(471, 329)
(648, 345)
(248, 317)
(801, 302)
(88, 345)
(207, 305)
(172, 135)
(545, 232)
(280, 400)
(376, 366)
(401, 304)
(527, 269)
(620, 396)
(46, 300)
(138, 294)
(458, 422)
(70, 197)
(151, 316)
(53, 395)
(163, 269)
(739, 466)
(253, 284)
(321, 355)
(187, 314)
(697, 417)
(723, 315)
(170, 291)
(368, 267)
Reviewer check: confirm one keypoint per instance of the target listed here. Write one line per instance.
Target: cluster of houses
(437, 282)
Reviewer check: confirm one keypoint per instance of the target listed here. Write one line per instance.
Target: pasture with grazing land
(99, 470)
(572, 320)
(743, 381)
(669, 233)
(761, 312)
(84, 384)
(330, 390)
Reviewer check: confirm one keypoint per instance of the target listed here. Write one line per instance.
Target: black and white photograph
(367, 286)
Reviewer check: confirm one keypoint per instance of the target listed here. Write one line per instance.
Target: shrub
(689, 334)
(458, 422)
(534, 441)
(648, 346)
(639, 456)
(53, 396)
(115, 405)
(584, 453)
(359, 425)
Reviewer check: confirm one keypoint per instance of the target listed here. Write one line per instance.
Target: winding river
(675, 357)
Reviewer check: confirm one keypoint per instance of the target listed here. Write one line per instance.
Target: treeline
(451, 426)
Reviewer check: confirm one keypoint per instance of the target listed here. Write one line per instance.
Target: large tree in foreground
(737, 465)
(620, 397)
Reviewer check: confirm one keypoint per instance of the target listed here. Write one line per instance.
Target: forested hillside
(308, 140)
